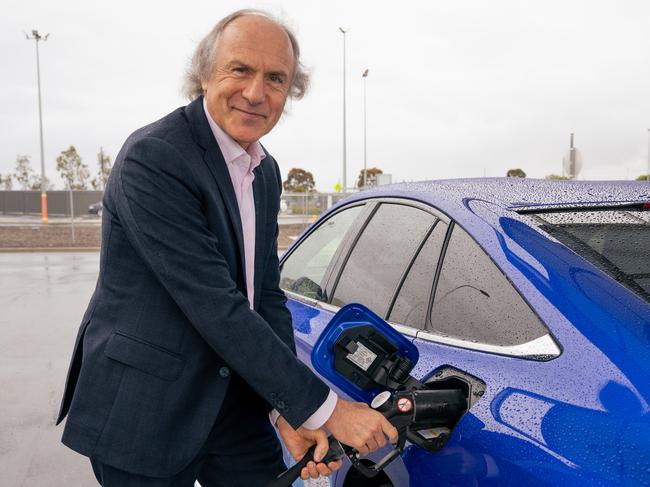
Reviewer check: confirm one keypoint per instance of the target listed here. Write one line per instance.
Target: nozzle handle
(288, 477)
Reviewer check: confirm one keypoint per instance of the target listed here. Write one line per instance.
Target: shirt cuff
(316, 420)
(273, 416)
(323, 413)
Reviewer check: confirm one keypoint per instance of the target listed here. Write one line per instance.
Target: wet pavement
(42, 299)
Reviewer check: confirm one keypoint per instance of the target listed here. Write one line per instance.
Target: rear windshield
(615, 241)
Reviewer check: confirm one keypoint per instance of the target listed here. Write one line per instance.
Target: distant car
(540, 289)
(95, 209)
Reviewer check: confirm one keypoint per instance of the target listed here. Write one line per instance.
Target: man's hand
(298, 442)
(357, 425)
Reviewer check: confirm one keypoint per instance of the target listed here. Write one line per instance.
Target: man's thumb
(322, 445)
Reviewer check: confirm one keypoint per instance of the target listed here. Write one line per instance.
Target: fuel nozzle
(422, 407)
(424, 417)
(427, 415)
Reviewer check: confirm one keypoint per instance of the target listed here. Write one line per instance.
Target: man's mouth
(249, 113)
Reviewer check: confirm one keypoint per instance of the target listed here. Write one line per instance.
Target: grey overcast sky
(456, 89)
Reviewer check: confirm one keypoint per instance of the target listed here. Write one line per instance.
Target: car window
(617, 242)
(474, 301)
(412, 301)
(303, 271)
(381, 255)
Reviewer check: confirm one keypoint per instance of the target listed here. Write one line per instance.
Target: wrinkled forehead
(256, 34)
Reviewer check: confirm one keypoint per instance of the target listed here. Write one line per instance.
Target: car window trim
(406, 272)
(337, 270)
(436, 277)
(331, 308)
(353, 230)
(540, 349)
(376, 203)
(342, 254)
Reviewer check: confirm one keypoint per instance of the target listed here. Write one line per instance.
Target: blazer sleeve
(160, 207)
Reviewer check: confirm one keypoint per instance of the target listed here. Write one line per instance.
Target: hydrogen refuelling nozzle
(420, 415)
(370, 361)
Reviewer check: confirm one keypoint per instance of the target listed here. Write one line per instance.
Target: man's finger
(323, 470)
(380, 439)
(372, 444)
(363, 450)
(390, 431)
(334, 466)
(313, 470)
(322, 445)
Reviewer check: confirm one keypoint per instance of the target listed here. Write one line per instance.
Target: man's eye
(276, 78)
(240, 69)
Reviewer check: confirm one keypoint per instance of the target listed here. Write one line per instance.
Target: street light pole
(345, 181)
(648, 173)
(365, 131)
(101, 168)
(37, 37)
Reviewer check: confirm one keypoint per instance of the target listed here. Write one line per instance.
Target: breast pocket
(144, 356)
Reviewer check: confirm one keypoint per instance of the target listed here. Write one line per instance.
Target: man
(187, 344)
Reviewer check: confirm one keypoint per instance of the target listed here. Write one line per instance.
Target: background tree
(555, 176)
(72, 170)
(643, 177)
(6, 182)
(23, 174)
(371, 177)
(104, 168)
(299, 181)
(35, 183)
(516, 173)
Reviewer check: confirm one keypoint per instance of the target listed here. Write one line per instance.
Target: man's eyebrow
(235, 62)
(274, 72)
(280, 72)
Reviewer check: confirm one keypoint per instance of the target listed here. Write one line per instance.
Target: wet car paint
(579, 418)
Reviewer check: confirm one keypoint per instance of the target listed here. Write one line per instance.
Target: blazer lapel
(259, 194)
(219, 170)
(217, 165)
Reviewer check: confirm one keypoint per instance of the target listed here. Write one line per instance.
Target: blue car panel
(578, 417)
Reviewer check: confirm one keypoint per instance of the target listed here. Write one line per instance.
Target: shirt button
(224, 372)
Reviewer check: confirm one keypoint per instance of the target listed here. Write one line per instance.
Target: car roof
(513, 194)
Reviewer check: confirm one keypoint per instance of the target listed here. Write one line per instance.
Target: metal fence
(308, 203)
(58, 202)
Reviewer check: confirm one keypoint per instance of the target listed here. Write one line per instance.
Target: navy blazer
(169, 318)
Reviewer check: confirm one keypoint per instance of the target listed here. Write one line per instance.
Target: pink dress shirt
(241, 164)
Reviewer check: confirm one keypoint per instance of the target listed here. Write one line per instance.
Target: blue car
(540, 290)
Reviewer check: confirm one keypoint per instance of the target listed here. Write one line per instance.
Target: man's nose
(254, 90)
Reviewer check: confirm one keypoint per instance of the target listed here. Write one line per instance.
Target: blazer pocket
(144, 356)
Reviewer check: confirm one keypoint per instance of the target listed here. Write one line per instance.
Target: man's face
(251, 80)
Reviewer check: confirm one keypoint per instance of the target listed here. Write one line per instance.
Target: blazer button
(224, 372)
(280, 404)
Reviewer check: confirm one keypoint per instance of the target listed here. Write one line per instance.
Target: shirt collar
(231, 150)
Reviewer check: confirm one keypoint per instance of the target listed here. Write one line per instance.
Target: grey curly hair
(202, 63)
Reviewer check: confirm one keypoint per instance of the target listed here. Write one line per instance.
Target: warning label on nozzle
(363, 357)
